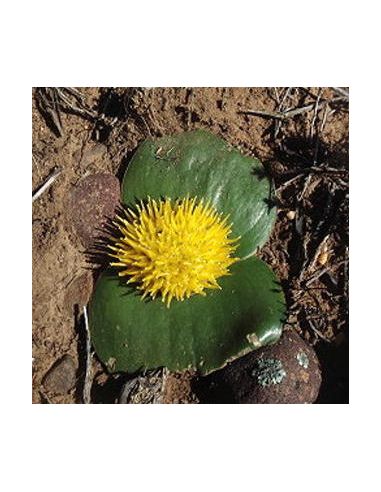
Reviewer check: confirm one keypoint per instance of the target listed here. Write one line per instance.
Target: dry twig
(291, 112)
(341, 91)
(88, 370)
(46, 184)
(53, 100)
(316, 330)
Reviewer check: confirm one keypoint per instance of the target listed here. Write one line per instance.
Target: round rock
(93, 201)
(61, 377)
(287, 372)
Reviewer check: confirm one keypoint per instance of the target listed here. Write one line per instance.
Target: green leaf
(200, 164)
(201, 332)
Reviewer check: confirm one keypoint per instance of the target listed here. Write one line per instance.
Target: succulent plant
(184, 289)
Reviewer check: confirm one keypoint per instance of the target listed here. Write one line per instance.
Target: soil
(96, 130)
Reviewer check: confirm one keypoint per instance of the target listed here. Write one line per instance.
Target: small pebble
(291, 215)
(61, 377)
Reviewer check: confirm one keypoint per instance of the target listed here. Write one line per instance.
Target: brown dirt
(178, 388)
(100, 133)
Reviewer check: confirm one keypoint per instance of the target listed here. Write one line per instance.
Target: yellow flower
(173, 249)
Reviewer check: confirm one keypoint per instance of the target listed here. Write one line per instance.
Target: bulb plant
(184, 289)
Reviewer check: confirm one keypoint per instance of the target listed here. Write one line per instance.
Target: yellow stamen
(173, 249)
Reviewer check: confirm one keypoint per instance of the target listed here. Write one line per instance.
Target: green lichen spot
(268, 371)
(302, 359)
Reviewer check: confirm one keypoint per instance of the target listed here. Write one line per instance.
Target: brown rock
(61, 377)
(287, 372)
(92, 202)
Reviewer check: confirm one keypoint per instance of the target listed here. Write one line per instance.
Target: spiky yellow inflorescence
(173, 249)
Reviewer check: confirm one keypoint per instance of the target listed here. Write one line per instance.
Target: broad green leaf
(201, 332)
(200, 164)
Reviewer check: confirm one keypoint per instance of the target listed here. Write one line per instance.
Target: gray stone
(61, 377)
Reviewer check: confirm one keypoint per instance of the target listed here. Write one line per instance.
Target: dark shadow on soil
(299, 154)
(112, 107)
(124, 164)
(97, 256)
(109, 391)
(334, 361)
(209, 391)
(80, 327)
